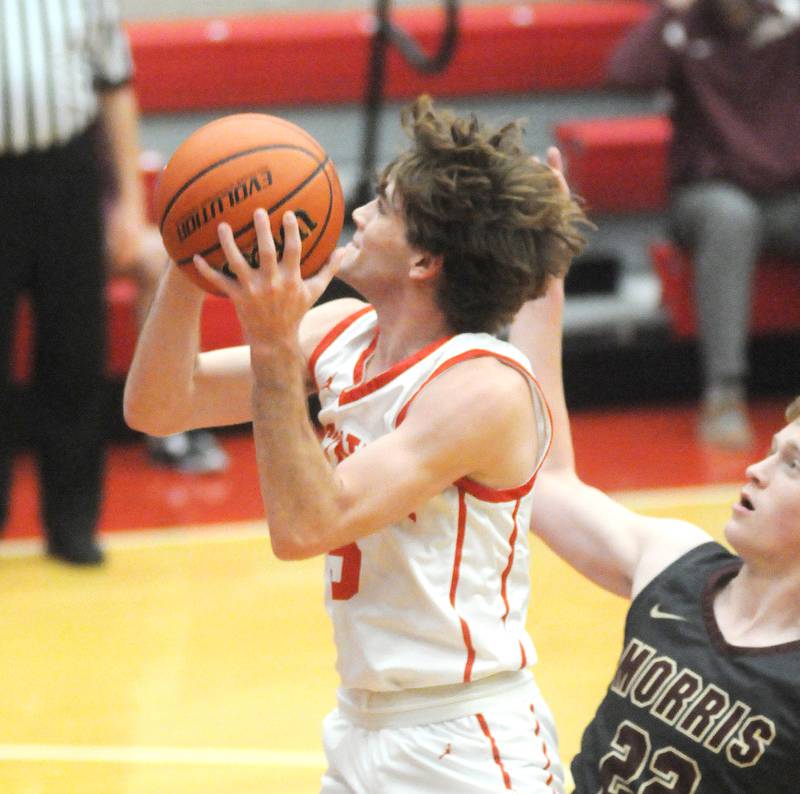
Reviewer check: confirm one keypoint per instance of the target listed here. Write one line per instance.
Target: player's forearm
(586, 529)
(298, 485)
(158, 389)
(537, 331)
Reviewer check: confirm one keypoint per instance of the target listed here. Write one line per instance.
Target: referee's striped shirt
(54, 56)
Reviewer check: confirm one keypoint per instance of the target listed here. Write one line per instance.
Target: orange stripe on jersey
(470, 650)
(472, 487)
(495, 752)
(362, 390)
(489, 494)
(512, 541)
(358, 370)
(445, 365)
(326, 340)
(462, 520)
(465, 632)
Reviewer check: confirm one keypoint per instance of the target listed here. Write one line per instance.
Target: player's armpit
(667, 540)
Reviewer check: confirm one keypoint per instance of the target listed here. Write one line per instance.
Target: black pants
(51, 247)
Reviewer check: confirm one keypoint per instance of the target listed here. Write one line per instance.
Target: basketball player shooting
(421, 492)
(705, 696)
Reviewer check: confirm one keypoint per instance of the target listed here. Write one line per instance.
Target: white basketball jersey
(441, 597)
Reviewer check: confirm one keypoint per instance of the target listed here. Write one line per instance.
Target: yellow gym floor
(194, 662)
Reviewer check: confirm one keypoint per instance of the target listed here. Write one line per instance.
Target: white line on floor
(716, 495)
(234, 531)
(209, 756)
(690, 496)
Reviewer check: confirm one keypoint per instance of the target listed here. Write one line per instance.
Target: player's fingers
(290, 259)
(217, 279)
(267, 255)
(237, 264)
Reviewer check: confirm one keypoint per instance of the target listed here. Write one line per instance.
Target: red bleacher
(776, 292)
(295, 58)
(619, 165)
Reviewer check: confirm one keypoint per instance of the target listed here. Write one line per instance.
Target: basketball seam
(320, 166)
(228, 159)
(328, 214)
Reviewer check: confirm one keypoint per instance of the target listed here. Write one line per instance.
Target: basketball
(230, 167)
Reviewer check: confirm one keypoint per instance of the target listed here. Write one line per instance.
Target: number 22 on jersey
(671, 772)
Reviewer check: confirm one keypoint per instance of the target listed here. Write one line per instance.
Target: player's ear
(426, 266)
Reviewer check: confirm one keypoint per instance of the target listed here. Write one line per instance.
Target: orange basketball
(230, 167)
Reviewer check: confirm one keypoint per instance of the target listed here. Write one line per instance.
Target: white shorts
(497, 750)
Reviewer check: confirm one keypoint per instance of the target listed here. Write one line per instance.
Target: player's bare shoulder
(482, 386)
(489, 404)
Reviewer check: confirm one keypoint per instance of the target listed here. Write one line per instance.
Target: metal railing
(388, 33)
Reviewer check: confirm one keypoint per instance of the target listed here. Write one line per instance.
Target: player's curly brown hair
(501, 221)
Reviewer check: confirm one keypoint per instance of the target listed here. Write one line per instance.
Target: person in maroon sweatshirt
(732, 72)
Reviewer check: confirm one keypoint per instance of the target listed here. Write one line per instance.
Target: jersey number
(347, 584)
(672, 771)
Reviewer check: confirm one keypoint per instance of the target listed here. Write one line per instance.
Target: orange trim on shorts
(495, 752)
(537, 730)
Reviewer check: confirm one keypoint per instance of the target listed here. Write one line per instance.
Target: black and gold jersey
(686, 712)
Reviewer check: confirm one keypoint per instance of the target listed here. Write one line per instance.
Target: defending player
(437, 430)
(705, 698)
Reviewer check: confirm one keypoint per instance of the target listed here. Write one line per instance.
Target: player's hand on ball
(270, 295)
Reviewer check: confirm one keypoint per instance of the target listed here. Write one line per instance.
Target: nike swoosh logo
(658, 614)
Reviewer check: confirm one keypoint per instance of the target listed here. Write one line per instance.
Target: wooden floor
(196, 663)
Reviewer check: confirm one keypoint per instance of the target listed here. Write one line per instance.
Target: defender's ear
(426, 266)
